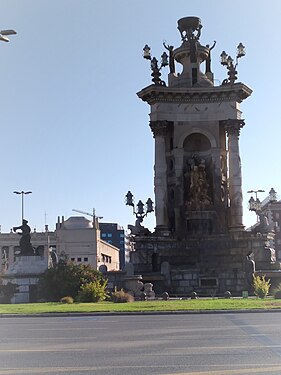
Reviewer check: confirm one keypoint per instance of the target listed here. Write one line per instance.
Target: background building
(76, 238)
(271, 207)
(114, 234)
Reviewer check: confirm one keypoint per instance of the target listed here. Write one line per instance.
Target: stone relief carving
(197, 185)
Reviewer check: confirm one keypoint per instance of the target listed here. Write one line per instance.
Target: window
(109, 235)
(79, 259)
(72, 259)
(103, 235)
(106, 258)
(5, 257)
(109, 241)
(121, 235)
(16, 252)
(121, 242)
(86, 259)
(277, 215)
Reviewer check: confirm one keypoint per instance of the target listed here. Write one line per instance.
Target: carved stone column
(159, 130)
(232, 127)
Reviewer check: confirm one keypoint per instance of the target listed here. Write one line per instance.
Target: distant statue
(208, 59)
(171, 57)
(25, 244)
(250, 268)
(263, 227)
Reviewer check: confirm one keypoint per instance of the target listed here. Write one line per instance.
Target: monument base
(25, 273)
(209, 266)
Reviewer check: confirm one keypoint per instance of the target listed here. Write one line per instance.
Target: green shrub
(261, 286)
(119, 296)
(277, 292)
(94, 291)
(67, 299)
(65, 279)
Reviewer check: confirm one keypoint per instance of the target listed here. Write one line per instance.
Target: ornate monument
(25, 271)
(199, 243)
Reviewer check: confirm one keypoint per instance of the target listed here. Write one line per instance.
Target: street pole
(22, 193)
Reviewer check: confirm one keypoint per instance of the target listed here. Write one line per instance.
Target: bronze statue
(171, 57)
(208, 59)
(25, 244)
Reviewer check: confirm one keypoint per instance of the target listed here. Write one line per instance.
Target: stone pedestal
(25, 273)
(133, 285)
(208, 266)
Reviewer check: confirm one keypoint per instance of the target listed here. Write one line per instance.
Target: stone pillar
(232, 127)
(159, 129)
(179, 195)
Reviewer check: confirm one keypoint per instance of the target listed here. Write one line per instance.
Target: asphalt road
(197, 344)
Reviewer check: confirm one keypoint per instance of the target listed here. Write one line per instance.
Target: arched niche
(200, 131)
(197, 142)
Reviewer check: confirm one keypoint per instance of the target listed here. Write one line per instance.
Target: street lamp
(142, 210)
(22, 193)
(256, 192)
(255, 204)
(4, 33)
(228, 61)
(154, 65)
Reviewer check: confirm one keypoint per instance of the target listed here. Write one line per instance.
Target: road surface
(197, 344)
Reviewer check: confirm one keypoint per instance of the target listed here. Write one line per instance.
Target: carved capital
(159, 128)
(233, 126)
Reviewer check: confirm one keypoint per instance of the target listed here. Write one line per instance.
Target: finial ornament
(187, 27)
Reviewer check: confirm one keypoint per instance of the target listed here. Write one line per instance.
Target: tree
(66, 279)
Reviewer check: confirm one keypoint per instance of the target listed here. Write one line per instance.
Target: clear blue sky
(73, 130)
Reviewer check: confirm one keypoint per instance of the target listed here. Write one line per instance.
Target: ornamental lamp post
(255, 204)
(142, 209)
(228, 61)
(154, 65)
(4, 33)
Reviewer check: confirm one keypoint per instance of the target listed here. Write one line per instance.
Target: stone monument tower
(199, 241)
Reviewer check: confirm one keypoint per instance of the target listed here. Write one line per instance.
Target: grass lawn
(141, 306)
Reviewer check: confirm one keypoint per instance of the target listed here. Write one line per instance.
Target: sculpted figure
(25, 244)
(171, 57)
(208, 60)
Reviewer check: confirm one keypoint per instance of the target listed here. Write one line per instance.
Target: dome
(77, 222)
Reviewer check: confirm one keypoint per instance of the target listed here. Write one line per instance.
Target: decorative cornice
(154, 94)
(160, 128)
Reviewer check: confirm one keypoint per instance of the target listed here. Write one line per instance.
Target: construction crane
(93, 215)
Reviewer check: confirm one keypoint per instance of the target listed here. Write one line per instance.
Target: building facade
(114, 234)
(76, 239)
(271, 207)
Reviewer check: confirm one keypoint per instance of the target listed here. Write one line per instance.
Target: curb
(139, 313)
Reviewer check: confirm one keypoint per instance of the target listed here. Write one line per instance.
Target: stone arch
(196, 142)
(203, 132)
